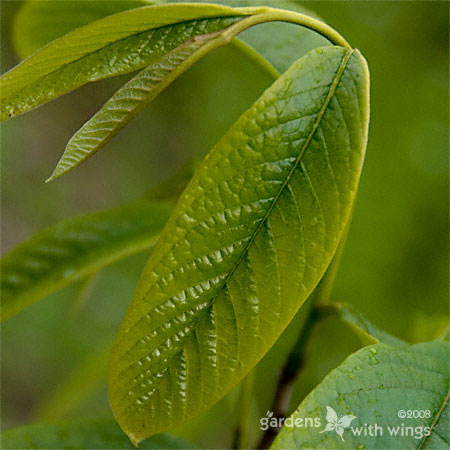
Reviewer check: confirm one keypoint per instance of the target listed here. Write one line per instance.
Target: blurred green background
(395, 266)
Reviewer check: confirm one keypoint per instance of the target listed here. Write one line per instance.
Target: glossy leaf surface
(130, 100)
(115, 45)
(39, 23)
(75, 248)
(375, 385)
(82, 434)
(274, 193)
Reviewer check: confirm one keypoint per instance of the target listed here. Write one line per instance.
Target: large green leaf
(82, 434)
(377, 385)
(275, 192)
(111, 46)
(75, 248)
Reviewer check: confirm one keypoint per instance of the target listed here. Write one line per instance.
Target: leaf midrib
(330, 95)
(435, 420)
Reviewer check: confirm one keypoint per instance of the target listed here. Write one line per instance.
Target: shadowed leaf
(376, 385)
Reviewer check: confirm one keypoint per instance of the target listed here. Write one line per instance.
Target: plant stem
(263, 15)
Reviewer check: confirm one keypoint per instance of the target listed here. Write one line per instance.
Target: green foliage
(136, 95)
(93, 434)
(76, 248)
(190, 331)
(372, 386)
(239, 267)
(79, 247)
(112, 46)
(171, 46)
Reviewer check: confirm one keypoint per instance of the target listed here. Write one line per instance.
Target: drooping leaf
(275, 192)
(75, 248)
(130, 100)
(279, 43)
(82, 434)
(39, 22)
(139, 92)
(367, 332)
(111, 46)
(377, 385)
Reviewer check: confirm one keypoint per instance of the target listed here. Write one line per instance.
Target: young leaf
(115, 45)
(367, 332)
(130, 100)
(377, 385)
(275, 192)
(82, 434)
(137, 94)
(75, 248)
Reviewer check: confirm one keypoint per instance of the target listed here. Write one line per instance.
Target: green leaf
(82, 434)
(39, 22)
(75, 248)
(138, 93)
(275, 192)
(279, 43)
(375, 385)
(115, 45)
(130, 100)
(78, 247)
(366, 331)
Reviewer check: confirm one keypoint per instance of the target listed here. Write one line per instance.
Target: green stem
(263, 15)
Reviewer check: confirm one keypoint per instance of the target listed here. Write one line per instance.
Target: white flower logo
(336, 424)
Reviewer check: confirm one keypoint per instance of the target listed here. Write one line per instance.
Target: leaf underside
(274, 193)
(374, 384)
(112, 46)
(128, 101)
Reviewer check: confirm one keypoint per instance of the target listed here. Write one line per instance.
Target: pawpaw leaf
(379, 385)
(130, 100)
(114, 45)
(275, 192)
(76, 248)
(80, 246)
(82, 434)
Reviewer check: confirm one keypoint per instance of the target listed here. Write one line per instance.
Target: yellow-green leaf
(249, 240)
